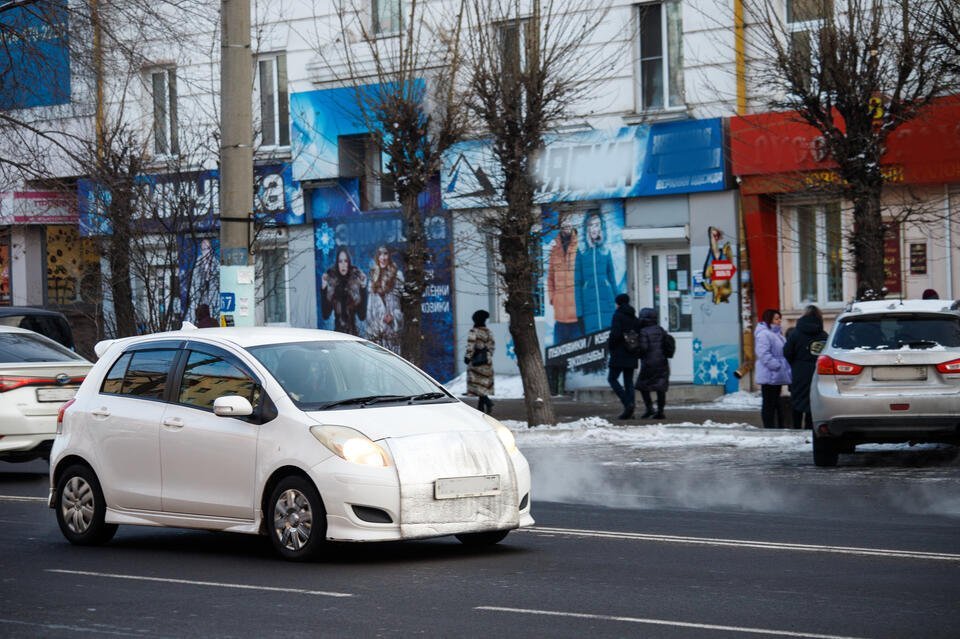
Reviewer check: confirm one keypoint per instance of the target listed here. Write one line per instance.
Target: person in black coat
(654, 367)
(803, 347)
(622, 362)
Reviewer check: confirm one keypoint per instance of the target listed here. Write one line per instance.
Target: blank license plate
(55, 394)
(899, 373)
(478, 486)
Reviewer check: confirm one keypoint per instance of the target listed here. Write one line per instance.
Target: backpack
(632, 343)
(669, 345)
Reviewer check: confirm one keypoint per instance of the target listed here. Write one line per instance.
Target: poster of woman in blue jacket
(596, 277)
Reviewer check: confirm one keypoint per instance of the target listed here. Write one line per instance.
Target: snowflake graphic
(323, 238)
(697, 345)
(511, 352)
(713, 370)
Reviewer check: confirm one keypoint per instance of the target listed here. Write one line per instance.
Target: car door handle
(173, 423)
(100, 412)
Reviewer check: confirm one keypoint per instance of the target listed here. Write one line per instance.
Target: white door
(209, 462)
(665, 285)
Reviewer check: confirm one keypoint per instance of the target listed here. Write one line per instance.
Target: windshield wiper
(426, 396)
(363, 401)
(920, 343)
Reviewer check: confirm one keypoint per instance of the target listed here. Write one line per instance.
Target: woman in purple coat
(772, 368)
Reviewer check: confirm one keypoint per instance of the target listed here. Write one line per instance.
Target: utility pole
(236, 165)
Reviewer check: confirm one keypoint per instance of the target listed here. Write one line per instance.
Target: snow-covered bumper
(481, 487)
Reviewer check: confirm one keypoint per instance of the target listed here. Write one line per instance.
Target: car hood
(392, 420)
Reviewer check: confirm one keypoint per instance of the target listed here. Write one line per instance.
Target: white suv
(890, 372)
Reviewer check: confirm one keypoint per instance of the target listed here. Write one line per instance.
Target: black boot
(661, 402)
(647, 414)
(627, 412)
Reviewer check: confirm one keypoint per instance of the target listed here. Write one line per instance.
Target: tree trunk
(519, 280)
(414, 284)
(868, 241)
(120, 288)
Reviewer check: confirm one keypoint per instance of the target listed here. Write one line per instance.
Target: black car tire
(825, 452)
(488, 538)
(81, 508)
(296, 519)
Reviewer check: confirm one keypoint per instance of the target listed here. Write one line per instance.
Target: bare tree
(407, 98)
(855, 75)
(526, 70)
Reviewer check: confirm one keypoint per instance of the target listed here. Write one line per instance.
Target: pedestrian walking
(623, 327)
(656, 346)
(479, 361)
(773, 370)
(802, 349)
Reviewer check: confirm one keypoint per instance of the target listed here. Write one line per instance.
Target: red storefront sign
(776, 152)
(37, 207)
(722, 269)
(892, 279)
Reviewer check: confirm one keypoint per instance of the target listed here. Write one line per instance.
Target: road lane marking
(748, 543)
(190, 582)
(22, 498)
(665, 622)
(98, 630)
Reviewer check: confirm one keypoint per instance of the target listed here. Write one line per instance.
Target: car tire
(488, 538)
(296, 519)
(81, 508)
(825, 452)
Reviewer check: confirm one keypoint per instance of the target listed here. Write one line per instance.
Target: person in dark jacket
(622, 362)
(654, 368)
(203, 317)
(802, 349)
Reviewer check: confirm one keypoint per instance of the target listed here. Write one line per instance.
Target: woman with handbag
(479, 361)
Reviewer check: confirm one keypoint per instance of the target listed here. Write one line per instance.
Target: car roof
(901, 306)
(16, 329)
(243, 337)
(7, 311)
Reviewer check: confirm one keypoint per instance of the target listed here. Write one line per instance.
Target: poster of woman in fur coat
(384, 314)
(343, 292)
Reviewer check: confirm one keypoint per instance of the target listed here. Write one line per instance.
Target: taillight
(11, 382)
(60, 412)
(953, 366)
(826, 365)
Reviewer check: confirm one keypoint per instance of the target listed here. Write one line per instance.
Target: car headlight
(506, 437)
(351, 445)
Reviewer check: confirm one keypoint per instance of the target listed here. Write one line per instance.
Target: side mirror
(232, 406)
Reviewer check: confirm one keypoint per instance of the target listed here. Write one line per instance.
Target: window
(387, 16)
(819, 241)
(660, 66)
(361, 158)
(515, 37)
(274, 104)
(805, 19)
(113, 382)
(25, 347)
(207, 377)
(274, 264)
(146, 376)
(163, 86)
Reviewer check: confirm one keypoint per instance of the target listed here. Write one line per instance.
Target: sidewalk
(569, 410)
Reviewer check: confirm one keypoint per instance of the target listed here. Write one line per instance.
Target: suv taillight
(826, 365)
(60, 412)
(953, 366)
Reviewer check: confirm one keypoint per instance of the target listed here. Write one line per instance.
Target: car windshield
(28, 347)
(897, 331)
(345, 374)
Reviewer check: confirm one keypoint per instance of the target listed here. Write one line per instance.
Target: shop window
(387, 16)
(273, 100)
(660, 59)
(5, 293)
(163, 95)
(73, 266)
(818, 236)
(497, 296)
(273, 262)
(360, 157)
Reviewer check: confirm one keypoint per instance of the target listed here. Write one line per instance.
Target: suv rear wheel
(825, 452)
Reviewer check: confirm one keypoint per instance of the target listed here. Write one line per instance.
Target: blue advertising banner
(360, 276)
(277, 201)
(634, 161)
(35, 68)
(199, 275)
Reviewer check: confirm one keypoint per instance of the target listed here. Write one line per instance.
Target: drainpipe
(739, 47)
(949, 241)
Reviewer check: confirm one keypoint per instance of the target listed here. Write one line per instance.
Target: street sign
(228, 302)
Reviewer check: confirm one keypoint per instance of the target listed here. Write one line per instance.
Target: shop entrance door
(665, 286)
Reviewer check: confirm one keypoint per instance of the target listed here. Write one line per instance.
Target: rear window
(27, 347)
(893, 332)
(56, 328)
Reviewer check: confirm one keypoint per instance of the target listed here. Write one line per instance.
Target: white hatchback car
(37, 376)
(301, 435)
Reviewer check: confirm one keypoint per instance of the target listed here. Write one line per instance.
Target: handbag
(480, 357)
